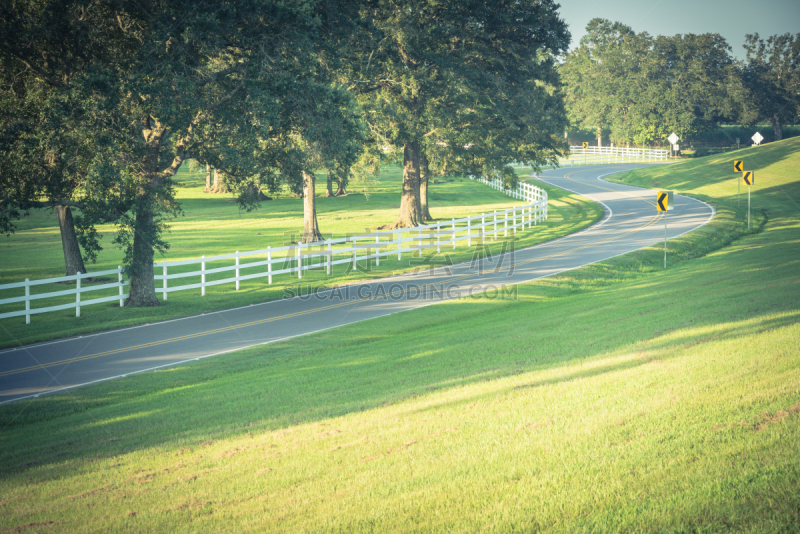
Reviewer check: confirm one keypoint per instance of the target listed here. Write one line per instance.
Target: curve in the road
(630, 223)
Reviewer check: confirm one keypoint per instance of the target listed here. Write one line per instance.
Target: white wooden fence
(298, 258)
(78, 290)
(597, 155)
(603, 155)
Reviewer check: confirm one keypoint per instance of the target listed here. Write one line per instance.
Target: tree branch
(47, 77)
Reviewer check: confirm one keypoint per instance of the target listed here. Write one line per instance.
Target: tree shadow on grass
(331, 374)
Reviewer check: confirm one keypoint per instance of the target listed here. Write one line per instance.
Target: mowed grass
(616, 398)
(213, 225)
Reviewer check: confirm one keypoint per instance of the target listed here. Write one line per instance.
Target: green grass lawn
(616, 398)
(213, 225)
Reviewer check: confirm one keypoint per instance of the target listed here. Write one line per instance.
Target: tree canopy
(770, 81)
(467, 85)
(641, 88)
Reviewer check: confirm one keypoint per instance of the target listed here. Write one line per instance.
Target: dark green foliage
(641, 88)
(769, 85)
(140, 88)
(471, 85)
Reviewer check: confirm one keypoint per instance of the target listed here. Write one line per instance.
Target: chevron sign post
(662, 205)
(749, 178)
(738, 166)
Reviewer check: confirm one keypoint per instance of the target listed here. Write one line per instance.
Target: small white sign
(757, 138)
(673, 138)
(676, 148)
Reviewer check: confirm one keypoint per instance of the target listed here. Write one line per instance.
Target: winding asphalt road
(631, 222)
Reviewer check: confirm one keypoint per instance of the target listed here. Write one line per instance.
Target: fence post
(299, 260)
(514, 218)
(27, 301)
(119, 278)
(399, 244)
(419, 240)
(494, 236)
(78, 295)
(453, 221)
(483, 228)
(377, 250)
(355, 254)
(505, 224)
(330, 254)
(469, 231)
(237, 270)
(438, 237)
(203, 277)
(164, 281)
(269, 265)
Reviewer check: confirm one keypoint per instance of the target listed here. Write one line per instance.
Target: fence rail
(298, 258)
(78, 290)
(602, 155)
(607, 154)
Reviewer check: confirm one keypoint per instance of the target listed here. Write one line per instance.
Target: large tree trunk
(73, 262)
(329, 185)
(311, 233)
(219, 185)
(775, 122)
(423, 187)
(255, 193)
(142, 288)
(340, 187)
(208, 179)
(410, 215)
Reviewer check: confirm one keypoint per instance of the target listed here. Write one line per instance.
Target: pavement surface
(631, 222)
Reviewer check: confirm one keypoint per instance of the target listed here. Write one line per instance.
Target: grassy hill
(616, 398)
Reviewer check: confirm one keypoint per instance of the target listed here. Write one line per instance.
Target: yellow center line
(567, 177)
(393, 293)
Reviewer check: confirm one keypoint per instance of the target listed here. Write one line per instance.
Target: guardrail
(298, 258)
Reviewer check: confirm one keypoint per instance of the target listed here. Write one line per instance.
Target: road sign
(676, 147)
(673, 138)
(749, 178)
(757, 138)
(662, 204)
(585, 145)
(662, 200)
(738, 165)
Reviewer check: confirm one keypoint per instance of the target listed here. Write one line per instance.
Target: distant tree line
(639, 88)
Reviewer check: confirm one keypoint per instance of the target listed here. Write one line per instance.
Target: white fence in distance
(598, 155)
(298, 258)
(604, 155)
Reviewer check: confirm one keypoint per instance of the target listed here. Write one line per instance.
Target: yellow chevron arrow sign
(662, 201)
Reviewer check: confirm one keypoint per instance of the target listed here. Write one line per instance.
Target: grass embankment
(616, 398)
(213, 225)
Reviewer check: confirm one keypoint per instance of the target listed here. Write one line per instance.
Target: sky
(732, 19)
